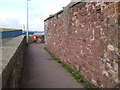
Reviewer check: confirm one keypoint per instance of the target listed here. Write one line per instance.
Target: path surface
(40, 71)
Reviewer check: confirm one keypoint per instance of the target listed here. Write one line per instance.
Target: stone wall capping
(12, 61)
(71, 6)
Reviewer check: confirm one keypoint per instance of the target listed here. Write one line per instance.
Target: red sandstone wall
(87, 40)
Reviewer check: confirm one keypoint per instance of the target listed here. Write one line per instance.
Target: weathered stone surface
(92, 43)
(12, 62)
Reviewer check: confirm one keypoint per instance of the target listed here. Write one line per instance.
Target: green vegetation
(42, 38)
(76, 75)
(8, 29)
(70, 11)
(56, 15)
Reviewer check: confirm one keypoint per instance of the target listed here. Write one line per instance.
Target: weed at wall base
(76, 75)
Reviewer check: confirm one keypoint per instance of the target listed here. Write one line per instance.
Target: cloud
(11, 23)
(13, 12)
(11, 19)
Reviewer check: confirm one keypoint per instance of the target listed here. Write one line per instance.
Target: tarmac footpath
(40, 71)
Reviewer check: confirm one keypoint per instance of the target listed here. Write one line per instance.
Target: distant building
(39, 32)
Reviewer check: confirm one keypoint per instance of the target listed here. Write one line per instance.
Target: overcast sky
(13, 12)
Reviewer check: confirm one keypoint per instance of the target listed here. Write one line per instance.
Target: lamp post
(27, 21)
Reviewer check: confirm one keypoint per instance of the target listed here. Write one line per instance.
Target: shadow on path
(40, 71)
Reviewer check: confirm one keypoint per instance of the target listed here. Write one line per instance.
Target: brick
(93, 17)
(86, 45)
(111, 6)
(112, 21)
(81, 6)
(117, 10)
(116, 4)
(106, 10)
(83, 11)
(111, 12)
(89, 7)
(98, 9)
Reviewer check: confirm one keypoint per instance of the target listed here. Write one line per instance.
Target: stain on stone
(110, 47)
(105, 73)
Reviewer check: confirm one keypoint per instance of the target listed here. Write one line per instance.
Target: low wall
(12, 62)
(85, 36)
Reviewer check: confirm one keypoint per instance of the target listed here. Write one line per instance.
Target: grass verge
(76, 75)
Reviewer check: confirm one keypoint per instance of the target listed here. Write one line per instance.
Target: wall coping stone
(8, 50)
(61, 11)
